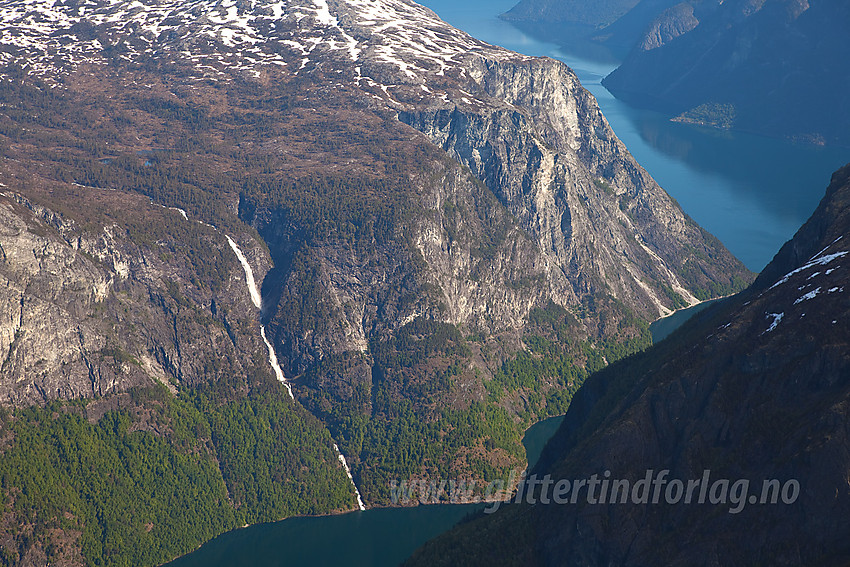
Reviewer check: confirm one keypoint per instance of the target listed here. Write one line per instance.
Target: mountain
(774, 67)
(754, 390)
(445, 237)
(596, 14)
(617, 24)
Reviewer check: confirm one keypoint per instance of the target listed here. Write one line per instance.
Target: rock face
(772, 67)
(672, 23)
(755, 389)
(88, 314)
(540, 143)
(408, 197)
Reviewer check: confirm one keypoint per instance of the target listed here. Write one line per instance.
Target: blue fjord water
(751, 192)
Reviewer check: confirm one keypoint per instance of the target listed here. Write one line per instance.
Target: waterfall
(273, 361)
(341, 458)
(257, 299)
(249, 274)
(181, 211)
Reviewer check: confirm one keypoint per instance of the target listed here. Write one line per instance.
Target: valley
(730, 196)
(300, 251)
(771, 67)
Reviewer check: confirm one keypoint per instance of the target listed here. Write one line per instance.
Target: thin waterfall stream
(257, 299)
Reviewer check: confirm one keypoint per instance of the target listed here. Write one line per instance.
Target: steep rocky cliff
(540, 143)
(447, 236)
(755, 389)
(134, 379)
(95, 312)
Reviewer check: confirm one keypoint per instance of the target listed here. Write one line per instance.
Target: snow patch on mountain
(50, 38)
(777, 318)
(818, 260)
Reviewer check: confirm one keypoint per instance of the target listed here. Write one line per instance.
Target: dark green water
(381, 537)
(537, 436)
(663, 327)
(375, 538)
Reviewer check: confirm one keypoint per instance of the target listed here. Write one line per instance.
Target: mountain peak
(48, 39)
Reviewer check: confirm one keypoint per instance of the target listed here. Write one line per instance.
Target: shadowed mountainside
(755, 388)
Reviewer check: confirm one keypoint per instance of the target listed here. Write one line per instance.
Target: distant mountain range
(753, 389)
(619, 24)
(775, 67)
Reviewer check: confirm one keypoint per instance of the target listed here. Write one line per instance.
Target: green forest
(157, 475)
(419, 427)
(143, 485)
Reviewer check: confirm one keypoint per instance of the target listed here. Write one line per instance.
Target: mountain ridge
(755, 66)
(754, 388)
(442, 254)
(773, 68)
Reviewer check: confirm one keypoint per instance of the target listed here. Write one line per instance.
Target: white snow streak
(811, 295)
(817, 260)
